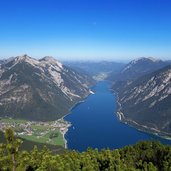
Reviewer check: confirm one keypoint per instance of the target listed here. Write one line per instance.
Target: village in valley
(43, 132)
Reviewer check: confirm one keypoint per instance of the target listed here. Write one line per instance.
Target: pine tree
(12, 146)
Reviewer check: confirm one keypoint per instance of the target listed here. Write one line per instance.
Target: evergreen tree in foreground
(145, 156)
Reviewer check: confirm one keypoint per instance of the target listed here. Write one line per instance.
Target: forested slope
(147, 156)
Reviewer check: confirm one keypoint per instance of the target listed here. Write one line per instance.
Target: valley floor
(36, 131)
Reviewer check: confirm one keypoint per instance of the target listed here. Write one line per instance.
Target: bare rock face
(147, 101)
(42, 89)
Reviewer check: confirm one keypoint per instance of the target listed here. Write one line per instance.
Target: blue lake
(95, 124)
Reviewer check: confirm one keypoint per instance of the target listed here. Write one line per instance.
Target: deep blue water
(95, 124)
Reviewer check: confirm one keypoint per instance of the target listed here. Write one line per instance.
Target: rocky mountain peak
(154, 59)
(145, 59)
(23, 57)
(141, 66)
(20, 59)
(51, 60)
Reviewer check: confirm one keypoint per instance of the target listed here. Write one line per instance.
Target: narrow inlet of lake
(95, 124)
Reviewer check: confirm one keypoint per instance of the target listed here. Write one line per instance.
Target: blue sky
(86, 29)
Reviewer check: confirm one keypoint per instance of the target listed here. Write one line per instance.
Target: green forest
(147, 156)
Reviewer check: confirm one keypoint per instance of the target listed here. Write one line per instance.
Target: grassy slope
(38, 129)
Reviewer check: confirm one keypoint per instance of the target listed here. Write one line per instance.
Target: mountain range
(99, 70)
(43, 89)
(139, 67)
(144, 100)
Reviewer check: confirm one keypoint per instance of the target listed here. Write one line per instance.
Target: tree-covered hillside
(147, 156)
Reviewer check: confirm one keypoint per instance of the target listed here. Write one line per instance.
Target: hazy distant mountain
(98, 70)
(169, 61)
(39, 89)
(139, 67)
(147, 101)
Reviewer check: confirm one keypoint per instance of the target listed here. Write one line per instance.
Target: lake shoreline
(70, 124)
(97, 113)
(121, 117)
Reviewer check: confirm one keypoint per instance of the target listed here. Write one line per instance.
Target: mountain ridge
(145, 102)
(139, 67)
(42, 89)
